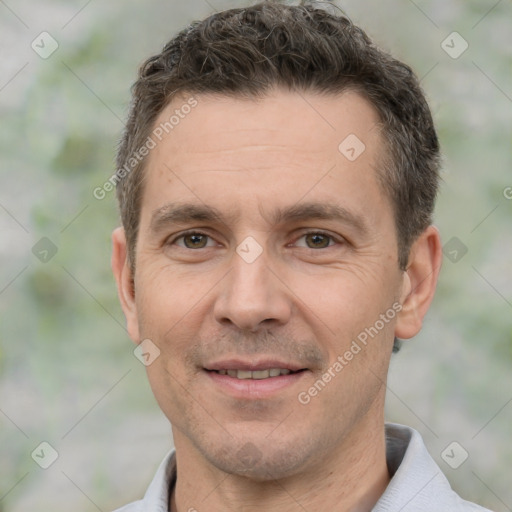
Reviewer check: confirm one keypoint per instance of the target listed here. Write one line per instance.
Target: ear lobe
(420, 281)
(123, 277)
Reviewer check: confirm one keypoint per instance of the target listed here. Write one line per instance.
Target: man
(276, 181)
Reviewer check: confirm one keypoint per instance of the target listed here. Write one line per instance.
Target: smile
(258, 384)
(257, 374)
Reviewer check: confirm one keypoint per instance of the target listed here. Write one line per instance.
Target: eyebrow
(186, 213)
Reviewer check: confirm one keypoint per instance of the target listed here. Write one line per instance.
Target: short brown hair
(245, 52)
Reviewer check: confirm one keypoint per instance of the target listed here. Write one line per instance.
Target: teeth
(260, 374)
(257, 374)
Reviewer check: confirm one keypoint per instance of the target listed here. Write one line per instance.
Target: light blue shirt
(417, 483)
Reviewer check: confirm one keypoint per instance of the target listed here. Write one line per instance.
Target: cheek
(164, 296)
(346, 300)
(172, 308)
(338, 303)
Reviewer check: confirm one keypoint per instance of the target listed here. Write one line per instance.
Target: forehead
(282, 146)
(293, 118)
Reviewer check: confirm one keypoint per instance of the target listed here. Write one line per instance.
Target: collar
(417, 483)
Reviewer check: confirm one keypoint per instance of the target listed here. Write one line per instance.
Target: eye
(199, 240)
(317, 240)
(191, 240)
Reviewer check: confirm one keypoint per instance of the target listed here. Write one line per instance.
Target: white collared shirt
(417, 483)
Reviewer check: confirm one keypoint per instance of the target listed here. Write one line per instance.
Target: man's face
(254, 290)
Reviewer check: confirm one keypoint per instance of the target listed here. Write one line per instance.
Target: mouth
(244, 380)
(256, 374)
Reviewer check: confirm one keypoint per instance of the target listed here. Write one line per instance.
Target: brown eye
(192, 240)
(316, 240)
(195, 241)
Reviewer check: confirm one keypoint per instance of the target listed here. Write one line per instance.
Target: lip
(263, 364)
(254, 389)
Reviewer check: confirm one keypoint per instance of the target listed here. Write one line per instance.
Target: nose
(252, 296)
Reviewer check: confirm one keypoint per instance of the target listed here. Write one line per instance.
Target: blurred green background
(68, 375)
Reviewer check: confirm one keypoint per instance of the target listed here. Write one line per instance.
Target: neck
(350, 478)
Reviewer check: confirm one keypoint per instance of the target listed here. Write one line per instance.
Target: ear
(123, 276)
(420, 281)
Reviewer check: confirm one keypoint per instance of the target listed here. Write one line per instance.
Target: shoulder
(135, 506)
(461, 505)
(467, 506)
(156, 498)
(417, 483)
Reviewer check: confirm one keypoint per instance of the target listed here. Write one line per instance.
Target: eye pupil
(318, 238)
(196, 240)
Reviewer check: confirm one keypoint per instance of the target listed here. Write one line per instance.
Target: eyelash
(311, 232)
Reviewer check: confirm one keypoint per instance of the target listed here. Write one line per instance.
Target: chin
(262, 460)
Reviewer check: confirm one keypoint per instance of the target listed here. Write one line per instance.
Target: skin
(304, 299)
